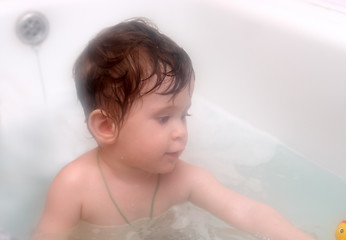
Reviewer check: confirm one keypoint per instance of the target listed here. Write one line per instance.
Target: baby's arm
(63, 205)
(240, 211)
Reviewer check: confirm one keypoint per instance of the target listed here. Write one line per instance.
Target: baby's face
(154, 133)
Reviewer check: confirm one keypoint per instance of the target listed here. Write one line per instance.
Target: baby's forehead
(158, 99)
(166, 93)
(156, 85)
(166, 84)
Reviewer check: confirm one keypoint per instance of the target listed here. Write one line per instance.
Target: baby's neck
(113, 166)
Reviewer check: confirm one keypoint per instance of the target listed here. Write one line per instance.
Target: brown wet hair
(112, 71)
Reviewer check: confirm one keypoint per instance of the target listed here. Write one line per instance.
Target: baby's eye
(163, 120)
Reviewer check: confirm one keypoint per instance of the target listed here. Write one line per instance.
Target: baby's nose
(179, 131)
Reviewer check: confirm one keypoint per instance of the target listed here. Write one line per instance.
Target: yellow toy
(340, 233)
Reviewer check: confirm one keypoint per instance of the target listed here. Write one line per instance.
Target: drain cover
(32, 28)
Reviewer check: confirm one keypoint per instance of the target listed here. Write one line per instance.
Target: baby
(135, 85)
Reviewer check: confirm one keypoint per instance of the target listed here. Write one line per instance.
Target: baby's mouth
(173, 154)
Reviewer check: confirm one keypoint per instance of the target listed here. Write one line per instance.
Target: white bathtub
(277, 67)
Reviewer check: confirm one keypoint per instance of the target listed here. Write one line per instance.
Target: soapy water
(34, 146)
(183, 222)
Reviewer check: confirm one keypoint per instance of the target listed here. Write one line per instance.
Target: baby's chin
(169, 166)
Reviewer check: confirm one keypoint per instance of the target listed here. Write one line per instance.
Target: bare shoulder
(188, 178)
(76, 172)
(73, 179)
(66, 192)
(192, 173)
(204, 188)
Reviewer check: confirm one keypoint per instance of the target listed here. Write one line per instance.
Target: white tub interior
(270, 77)
(278, 65)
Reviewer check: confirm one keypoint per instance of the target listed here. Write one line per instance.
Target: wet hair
(112, 71)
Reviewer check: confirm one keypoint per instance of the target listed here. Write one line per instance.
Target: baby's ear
(102, 127)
